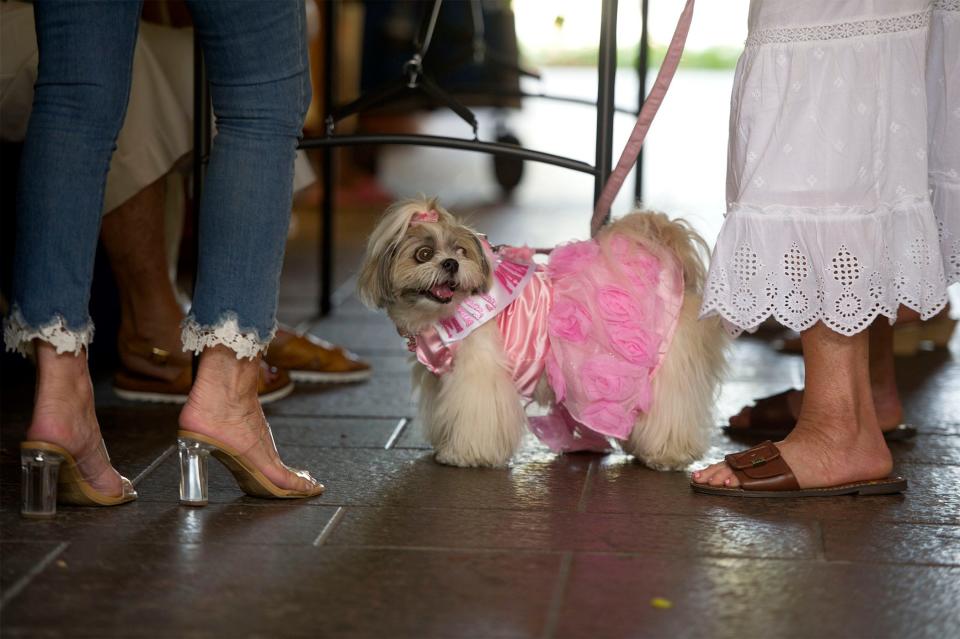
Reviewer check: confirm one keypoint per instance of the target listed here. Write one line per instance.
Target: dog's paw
(449, 459)
(452, 458)
(673, 463)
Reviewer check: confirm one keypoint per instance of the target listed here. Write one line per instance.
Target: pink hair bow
(421, 217)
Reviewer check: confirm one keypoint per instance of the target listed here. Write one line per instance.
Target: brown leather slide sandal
(771, 418)
(763, 472)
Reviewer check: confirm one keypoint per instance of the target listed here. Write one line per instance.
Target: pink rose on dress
(555, 377)
(568, 259)
(643, 269)
(617, 306)
(621, 247)
(608, 418)
(636, 345)
(568, 320)
(607, 378)
(636, 262)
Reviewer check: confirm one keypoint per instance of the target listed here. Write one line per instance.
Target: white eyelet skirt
(843, 176)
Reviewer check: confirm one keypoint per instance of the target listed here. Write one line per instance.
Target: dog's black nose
(450, 265)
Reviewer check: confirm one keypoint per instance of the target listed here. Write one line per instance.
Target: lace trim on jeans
(841, 30)
(18, 335)
(246, 344)
(946, 5)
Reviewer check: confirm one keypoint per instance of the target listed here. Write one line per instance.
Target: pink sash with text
(509, 278)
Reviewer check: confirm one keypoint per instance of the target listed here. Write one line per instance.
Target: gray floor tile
(286, 523)
(613, 596)
(280, 591)
(866, 541)
(565, 531)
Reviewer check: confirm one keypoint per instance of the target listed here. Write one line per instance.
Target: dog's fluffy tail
(676, 430)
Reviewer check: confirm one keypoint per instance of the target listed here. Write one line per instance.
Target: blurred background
(684, 155)
(528, 46)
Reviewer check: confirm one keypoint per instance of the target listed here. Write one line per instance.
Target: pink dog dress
(598, 319)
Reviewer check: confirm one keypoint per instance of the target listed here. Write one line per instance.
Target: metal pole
(606, 79)
(643, 62)
(325, 261)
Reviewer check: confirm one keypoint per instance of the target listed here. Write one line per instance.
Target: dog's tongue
(442, 291)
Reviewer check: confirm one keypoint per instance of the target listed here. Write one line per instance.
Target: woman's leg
(837, 438)
(257, 63)
(86, 52)
(883, 380)
(133, 238)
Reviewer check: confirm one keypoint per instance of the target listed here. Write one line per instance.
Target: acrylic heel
(195, 450)
(194, 456)
(39, 473)
(50, 474)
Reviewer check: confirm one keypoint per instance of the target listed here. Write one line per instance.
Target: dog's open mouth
(441, 293)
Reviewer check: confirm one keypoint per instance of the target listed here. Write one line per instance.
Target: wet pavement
(554, 546)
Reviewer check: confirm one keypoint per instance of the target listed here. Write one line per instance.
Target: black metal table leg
(325, 261)
(606, 82)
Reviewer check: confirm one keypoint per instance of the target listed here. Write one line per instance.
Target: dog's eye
(423, 254)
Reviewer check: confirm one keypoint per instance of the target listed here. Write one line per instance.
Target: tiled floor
(572, 546)
(581, 546)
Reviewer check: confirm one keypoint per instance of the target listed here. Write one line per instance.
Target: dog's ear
(485, 265)
(373, 284)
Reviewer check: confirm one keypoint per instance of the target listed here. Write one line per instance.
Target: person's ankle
(63, 411)
(225, 390)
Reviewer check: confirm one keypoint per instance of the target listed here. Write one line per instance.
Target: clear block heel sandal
(50, 474)
(195, 450)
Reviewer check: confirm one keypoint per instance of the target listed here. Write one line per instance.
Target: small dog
(606, 336)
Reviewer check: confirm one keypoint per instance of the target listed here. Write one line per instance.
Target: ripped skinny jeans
(258, 69)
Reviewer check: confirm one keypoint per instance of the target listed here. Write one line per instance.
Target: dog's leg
(475, 414)
(676, 430)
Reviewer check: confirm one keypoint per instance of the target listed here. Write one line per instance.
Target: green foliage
(714, 58)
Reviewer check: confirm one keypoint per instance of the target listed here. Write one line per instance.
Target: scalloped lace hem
(18, 335)
(842, 270)
(730, 318)
(227, 332)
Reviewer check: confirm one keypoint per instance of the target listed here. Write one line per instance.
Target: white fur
(473, 415)
(675, 431)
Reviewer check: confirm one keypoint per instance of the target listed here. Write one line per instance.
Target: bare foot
(821, 454)
(223, 405)
(63, 414)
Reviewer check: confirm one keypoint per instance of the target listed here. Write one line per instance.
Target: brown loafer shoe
(310, 359)
(174, 388)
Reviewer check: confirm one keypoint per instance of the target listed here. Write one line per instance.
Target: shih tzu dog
(605, 336)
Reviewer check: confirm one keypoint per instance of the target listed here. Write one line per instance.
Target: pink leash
(649, 110)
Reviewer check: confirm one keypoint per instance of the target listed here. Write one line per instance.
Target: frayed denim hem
(18, 335)
(227, 332)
